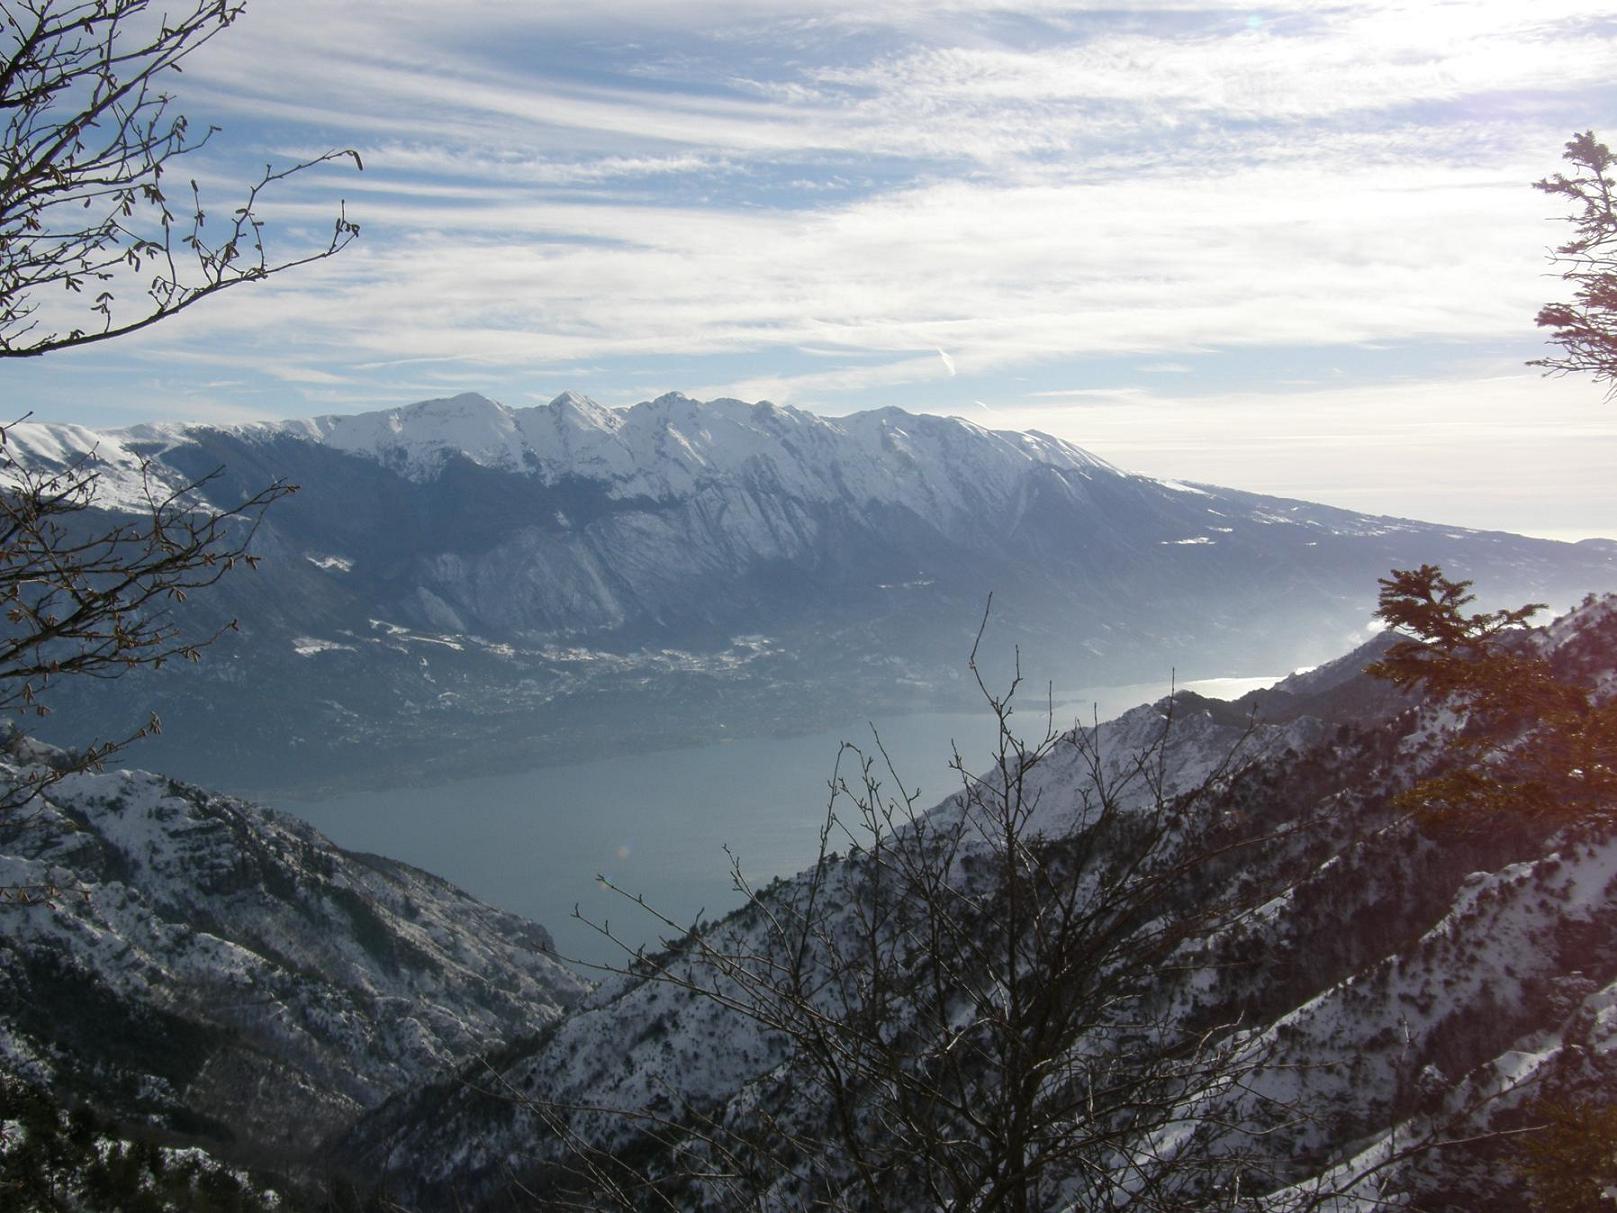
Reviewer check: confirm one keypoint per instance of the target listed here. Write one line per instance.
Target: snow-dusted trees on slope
(1538, 742)
(1011, 1002)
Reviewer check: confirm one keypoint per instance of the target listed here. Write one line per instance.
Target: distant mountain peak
(573, 400)
(460, 402)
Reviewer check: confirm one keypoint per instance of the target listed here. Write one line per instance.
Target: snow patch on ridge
(118, 459)
(308, 646)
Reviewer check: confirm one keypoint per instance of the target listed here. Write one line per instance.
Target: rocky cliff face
(192, 963)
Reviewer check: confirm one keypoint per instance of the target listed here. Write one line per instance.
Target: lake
(657, 823)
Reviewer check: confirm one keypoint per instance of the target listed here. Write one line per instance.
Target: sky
(1291, 248)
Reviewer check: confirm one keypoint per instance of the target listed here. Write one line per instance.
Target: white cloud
(1078, 192)
(997, 274)
(438, 75)
(1340, 60)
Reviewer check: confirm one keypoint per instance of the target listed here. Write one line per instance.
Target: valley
(459, 586)
(413, 679)
(658, 823)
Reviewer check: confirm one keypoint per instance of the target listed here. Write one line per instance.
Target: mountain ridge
(466, 607)
(572, 435)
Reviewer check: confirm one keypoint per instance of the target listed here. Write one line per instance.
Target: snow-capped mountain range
(458, 580)
(660, 450)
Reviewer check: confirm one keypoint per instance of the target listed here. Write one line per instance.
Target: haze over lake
(658, 823)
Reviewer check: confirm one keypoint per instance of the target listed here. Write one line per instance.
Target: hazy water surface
(657, 823)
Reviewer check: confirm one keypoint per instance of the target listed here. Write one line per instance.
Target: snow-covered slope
(194, 962)
(1377, 986)
(188, 962)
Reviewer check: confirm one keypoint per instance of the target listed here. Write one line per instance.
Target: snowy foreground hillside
(1279, 992)
(459, 585)
(223, 973)
(1337, 1010)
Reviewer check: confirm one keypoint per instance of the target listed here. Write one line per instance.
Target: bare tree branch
(89, 594)
(84, 207)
